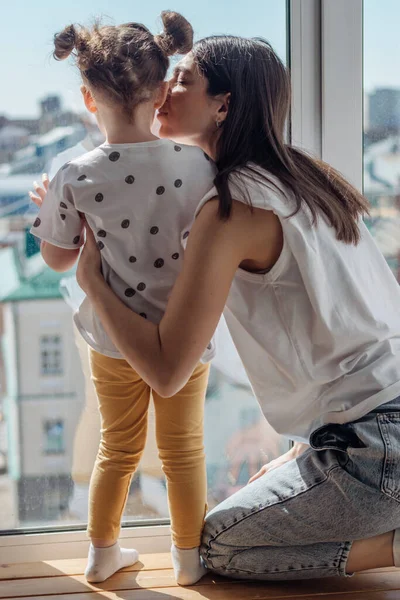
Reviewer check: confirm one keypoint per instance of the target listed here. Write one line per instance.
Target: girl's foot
(188, 566)
(104, 562)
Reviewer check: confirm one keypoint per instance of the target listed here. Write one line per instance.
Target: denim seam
(277, 571)
(340, 568)
(338, 565)
(384, 420)
(344, 555)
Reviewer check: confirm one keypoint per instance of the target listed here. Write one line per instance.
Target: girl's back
(139, 200)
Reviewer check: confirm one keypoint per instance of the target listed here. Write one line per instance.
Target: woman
(314, 313)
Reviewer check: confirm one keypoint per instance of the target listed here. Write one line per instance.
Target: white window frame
(342, 87)
(326, 70)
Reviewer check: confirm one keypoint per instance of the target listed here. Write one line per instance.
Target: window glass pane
(49, 422)
(382, 126)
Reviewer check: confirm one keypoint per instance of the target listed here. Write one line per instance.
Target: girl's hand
(40, 191)
(294, 452)
(89, 265)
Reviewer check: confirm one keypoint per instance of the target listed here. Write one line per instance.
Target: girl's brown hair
(124, 63)
(254, 133)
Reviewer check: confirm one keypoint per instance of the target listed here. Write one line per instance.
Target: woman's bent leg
(299, 521)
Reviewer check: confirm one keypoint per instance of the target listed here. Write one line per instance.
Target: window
(382, 126)
(53, 437)
(50, 427)
(51, 355)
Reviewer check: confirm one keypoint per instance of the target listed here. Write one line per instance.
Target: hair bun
(64, 42)
(177, 37)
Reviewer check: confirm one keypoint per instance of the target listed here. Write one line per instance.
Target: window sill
(53, 546)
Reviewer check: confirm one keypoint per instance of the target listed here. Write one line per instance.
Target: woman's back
(319, 334)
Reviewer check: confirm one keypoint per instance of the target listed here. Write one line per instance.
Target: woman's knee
(216, 550)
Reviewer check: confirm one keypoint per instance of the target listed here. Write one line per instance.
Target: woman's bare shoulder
(255, 232)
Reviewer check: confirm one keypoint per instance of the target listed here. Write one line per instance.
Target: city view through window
(49, 422)
(382, 126)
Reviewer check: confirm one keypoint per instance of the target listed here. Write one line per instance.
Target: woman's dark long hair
(254, 132)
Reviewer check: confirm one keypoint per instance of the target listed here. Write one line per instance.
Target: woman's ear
(222, 112)
(88, 99)
(161, 94)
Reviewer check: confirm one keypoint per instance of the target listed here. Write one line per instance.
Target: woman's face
(189, 114)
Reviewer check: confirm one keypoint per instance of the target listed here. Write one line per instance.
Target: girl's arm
(165, 355)
(58, 259)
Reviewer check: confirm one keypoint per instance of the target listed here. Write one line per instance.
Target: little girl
(138, 194)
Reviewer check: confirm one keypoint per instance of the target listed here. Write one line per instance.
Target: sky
(26, 33)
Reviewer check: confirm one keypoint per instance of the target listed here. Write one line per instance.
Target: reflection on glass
(382, 126)
(49, 423)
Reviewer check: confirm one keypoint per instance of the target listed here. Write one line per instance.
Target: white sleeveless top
(319, 334)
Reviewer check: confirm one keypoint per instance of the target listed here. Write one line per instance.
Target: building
(382, 188)
(43, 396)
(384, 110)
(17, 133)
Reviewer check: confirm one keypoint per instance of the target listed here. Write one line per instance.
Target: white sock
(188, 566)
(396, 548)
(104, 562)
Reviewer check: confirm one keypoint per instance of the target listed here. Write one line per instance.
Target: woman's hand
(294, 452)
(88, 273)
(40, 191)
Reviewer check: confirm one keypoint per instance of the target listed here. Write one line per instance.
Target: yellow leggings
(123, 402)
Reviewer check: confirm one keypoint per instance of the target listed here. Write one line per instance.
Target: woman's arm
(165, 355)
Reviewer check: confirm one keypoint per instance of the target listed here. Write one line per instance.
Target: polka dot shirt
(140, 201)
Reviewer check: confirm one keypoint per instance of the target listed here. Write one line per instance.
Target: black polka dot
(114, 156)
(178, 183)
(63, 217)
(129, 292)
(77, 239)
(159, 263)
(160, 190)
(81, 177)
(99, 197)
(125, 223)
(175, 256)
(185, 235)
(63, 205)
(101, 233)
(129, 179)
(100, 245)
(143, 315)
(209, 347)
(132, 259)
(65, 166)
(154, 230)
(206, 156)
(37, 222)
(141, 287)
(177, 148)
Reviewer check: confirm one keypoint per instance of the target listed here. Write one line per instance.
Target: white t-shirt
(319, 334)
(139, 200)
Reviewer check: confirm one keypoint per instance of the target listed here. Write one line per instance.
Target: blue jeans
(299, 521)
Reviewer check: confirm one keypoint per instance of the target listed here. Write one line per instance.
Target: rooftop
(32, 281)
